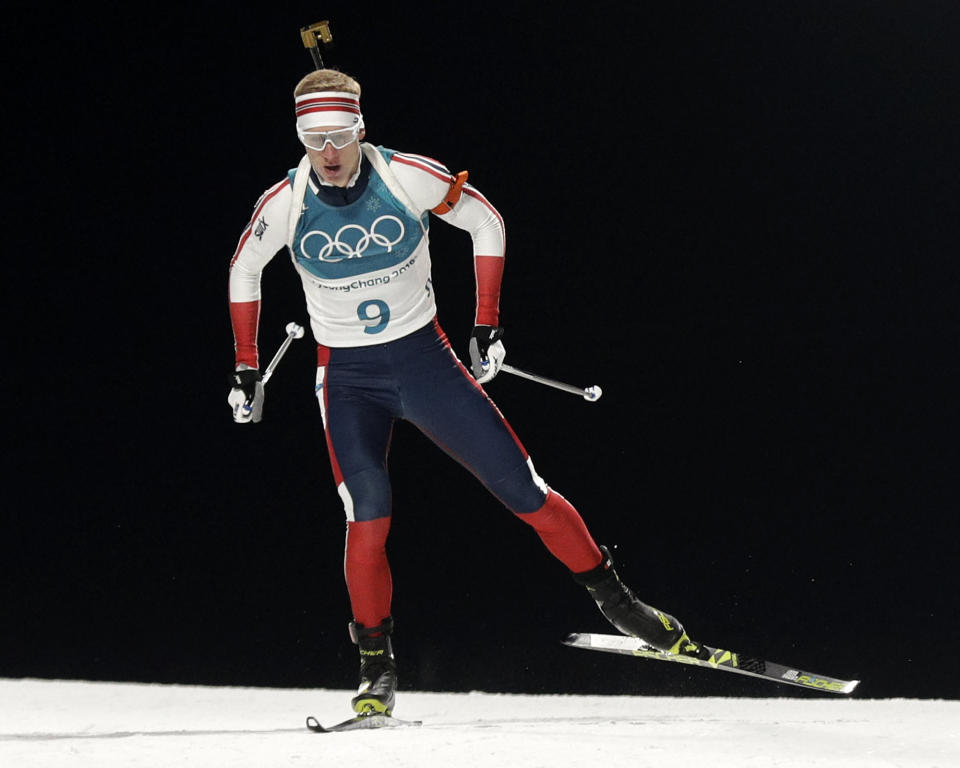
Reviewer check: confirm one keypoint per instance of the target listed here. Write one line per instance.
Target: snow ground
(63, 724)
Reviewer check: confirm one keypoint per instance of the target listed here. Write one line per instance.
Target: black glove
(486, 352)
(246, 395)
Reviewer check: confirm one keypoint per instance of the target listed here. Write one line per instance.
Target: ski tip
(314, 725)
(851, 686)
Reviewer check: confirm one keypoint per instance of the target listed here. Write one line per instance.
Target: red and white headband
(328, 108)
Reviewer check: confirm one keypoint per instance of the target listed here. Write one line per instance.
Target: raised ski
(714, 658)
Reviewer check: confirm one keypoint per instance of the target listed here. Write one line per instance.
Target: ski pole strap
(453, 194)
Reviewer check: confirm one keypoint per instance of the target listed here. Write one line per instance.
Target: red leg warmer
(367, 571)
(564, 533)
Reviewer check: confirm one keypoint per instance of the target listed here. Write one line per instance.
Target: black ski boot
(378, 670)
(631, 616)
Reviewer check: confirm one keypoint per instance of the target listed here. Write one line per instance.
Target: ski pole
(294, 331)
(590, 394)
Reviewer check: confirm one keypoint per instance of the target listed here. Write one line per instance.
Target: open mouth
(332, 169)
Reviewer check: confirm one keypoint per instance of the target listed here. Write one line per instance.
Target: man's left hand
(486, 352)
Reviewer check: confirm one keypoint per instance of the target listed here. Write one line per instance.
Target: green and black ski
(716, 658)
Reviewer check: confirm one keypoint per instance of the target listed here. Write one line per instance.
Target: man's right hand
(246, 396)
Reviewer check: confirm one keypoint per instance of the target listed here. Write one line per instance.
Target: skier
(355, 219)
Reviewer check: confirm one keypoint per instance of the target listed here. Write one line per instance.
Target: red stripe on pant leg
(323, 361)
(367, 571)
(453, 357)
(564, 533)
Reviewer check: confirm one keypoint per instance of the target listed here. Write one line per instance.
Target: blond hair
(327, 80)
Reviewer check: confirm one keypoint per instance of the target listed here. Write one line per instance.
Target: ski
(361, 722)
(727, 661)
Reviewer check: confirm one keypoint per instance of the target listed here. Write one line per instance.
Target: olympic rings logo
(337, 248)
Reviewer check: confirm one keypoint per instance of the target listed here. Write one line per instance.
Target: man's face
(335, 166)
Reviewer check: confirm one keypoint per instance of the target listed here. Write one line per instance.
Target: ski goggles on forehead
(340, 138)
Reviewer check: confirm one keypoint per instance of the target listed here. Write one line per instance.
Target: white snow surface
(61, 724)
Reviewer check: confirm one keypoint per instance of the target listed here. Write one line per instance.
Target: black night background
(740, 220)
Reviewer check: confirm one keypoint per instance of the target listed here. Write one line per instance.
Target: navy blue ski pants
(364, 390)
